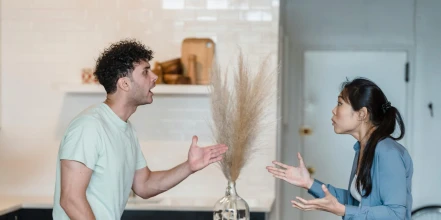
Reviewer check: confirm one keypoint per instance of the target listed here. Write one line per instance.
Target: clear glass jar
(231, 206)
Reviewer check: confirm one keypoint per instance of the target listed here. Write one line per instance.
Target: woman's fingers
(281, 164)
(302, 200)
(279, 177)
(298, 207)
(303, 206)
(276, 171)
(301, 162)
(307, 205)
(295, 206)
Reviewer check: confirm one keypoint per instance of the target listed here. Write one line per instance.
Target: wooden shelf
(160, 89)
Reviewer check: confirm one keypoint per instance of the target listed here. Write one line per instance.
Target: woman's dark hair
(362, 92)
(118, 61)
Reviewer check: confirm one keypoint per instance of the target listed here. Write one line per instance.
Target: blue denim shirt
(391, 195)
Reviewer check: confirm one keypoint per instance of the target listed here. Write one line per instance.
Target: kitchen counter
(10, 204)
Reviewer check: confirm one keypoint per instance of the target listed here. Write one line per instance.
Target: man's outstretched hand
(201, 157)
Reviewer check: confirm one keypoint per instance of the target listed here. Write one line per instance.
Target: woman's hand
(328, 203)
(298, 176)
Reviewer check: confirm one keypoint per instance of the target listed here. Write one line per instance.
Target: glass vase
(231, 206)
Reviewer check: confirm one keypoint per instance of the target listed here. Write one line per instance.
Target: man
(100, 159)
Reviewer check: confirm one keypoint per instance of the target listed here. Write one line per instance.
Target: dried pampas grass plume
(239, 112)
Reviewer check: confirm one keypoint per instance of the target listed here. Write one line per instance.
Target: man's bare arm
(75, 178)
(147, 184)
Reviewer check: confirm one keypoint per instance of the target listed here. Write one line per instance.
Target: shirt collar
(357, 146)
(115, 118)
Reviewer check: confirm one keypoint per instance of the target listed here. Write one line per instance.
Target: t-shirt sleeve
(82, 142)
(140, 160)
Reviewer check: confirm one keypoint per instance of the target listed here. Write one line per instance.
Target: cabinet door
(10, 216)
(3, 217)
(13, 216)
(173, 215)
(166, 215)
(32, 214)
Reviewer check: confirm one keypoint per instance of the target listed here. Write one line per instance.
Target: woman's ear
(363, 114)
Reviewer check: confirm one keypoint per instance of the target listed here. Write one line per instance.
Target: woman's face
(344, 119)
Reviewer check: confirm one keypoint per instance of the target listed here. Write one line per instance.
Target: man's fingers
(217, 152)
(194, 140)
(217, 147)
(216, 159)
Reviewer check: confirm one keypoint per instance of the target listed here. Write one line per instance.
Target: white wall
(349, 24)
(427, 132)
(48, 41)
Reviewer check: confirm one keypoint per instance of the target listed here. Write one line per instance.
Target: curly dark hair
(118, 61)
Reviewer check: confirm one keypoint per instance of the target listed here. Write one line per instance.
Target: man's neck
(122, 109)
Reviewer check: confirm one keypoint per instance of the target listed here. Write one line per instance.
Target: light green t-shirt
(103, 142)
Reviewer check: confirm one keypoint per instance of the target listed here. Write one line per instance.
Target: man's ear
(363, 114)
(124, 83)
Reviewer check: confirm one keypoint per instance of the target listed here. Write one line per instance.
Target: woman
(380, 186)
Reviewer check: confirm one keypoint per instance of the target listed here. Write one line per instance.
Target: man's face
(143, 81)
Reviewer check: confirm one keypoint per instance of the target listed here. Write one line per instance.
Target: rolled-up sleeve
(317, 191)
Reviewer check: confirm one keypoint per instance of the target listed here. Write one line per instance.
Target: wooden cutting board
(203, 49)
